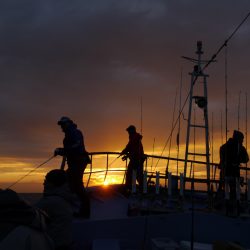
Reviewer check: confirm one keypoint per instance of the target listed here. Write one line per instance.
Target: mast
(201, 102)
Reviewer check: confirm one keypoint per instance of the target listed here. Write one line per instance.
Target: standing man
(77, 158)
(134, 151)
(232, 153)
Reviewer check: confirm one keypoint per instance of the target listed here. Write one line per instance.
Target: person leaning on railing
(77, 159)
(232, 154)
(134, 151)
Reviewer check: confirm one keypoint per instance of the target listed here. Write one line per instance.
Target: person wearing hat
(232, 153)
(77, 158)
(134, 151)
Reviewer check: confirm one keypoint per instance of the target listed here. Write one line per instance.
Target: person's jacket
(73, 142)
(58, 203)
(231, 155)
(22, 227)
(134, 148)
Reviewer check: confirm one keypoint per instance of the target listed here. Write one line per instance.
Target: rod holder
(157, 183)
(145, 186)
(169, 183)
(134, 181)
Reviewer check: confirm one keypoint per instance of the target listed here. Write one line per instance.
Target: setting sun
(105, 183)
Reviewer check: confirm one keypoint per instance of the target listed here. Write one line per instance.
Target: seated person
(22, 227)
(57, 202)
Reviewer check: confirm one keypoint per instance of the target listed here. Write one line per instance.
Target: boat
(177, 209)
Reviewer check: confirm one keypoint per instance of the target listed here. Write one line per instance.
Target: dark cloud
(95, 60)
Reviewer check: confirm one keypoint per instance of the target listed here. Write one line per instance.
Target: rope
(30, 172)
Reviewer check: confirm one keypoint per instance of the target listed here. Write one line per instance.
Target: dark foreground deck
(134, 230)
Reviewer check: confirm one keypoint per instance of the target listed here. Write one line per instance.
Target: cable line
(30, 172)
(195, 79)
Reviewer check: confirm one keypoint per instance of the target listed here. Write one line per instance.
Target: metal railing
(105, 164)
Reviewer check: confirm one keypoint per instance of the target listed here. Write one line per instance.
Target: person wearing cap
(77, 158)
(134, 151)
(232, 154)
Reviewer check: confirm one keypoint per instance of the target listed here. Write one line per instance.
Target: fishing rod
(169, 149)
(239, 111)
(109, 165)
(246, 140)
(195, 79)
(179, 127)
(141, 115)
(226, 91)
(21, 178)
(153, 154)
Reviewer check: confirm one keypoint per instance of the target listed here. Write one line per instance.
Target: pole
(226, 92)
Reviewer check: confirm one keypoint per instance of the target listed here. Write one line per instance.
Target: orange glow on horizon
(11, 169)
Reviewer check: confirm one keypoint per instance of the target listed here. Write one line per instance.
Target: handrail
(106, 168)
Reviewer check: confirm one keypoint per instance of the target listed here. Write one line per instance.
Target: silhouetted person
(134, 151)
(22, 227)
(77, 159)
(57, 202)
(232, 153)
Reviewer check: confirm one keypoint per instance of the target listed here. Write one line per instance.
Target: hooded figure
(134, 151)
(22, 227)
(232, 153)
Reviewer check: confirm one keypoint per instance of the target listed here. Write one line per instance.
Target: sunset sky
(106, 65)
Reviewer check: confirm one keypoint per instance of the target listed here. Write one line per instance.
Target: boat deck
(136, 229)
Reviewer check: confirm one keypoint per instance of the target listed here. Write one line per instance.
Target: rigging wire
(32, 170)
(195, 79)
(226, 42)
